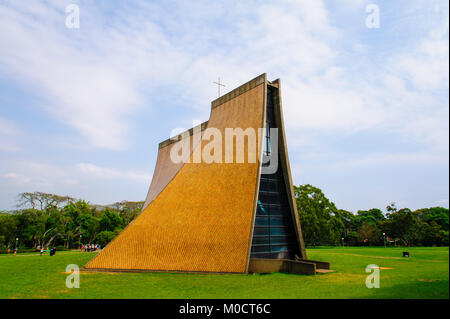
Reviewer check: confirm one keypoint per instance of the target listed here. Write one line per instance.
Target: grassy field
(424, 275)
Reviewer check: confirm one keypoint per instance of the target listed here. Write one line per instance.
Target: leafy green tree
(50, 220)
(110, 221)
(128, 210)
(439, 215)
(370, 233)
(8, 230)
(348, 220)
(90, 226)
(104, 237)
(402, 224)
(372, 216)
(318, 216)
(40, 200)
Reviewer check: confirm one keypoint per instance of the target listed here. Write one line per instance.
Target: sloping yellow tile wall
(202, 219)
(165, 169)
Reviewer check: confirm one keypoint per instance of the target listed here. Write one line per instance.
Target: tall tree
(318, 216)
(40, 200)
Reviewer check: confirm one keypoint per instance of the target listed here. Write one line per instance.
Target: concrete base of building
(302, 266)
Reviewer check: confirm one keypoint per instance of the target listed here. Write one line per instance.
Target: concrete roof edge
(180, 136)
(239, 90)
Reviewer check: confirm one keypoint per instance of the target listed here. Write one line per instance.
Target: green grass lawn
(424, 275)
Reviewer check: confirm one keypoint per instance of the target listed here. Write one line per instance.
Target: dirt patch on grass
(428, 280)
(367, 256)
(339, 277)
(92, 273)
(64, 291)
(382, 257)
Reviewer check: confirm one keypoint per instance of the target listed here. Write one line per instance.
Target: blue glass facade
(274, 234)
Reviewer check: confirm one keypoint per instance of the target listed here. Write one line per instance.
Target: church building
(221, 216)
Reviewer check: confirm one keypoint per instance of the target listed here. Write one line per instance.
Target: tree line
(49, 220)
(324, 224)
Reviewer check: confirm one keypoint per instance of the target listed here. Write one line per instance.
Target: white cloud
(92, 78)
(428, 67)
(88, 77)
(404, 99)
(102, 185)
(23, 180)
(8, 134)
(39, 173)
(7, 128)
(111, 173)
(95, 79)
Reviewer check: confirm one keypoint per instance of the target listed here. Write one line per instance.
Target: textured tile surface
(201, 221)
(166, 169)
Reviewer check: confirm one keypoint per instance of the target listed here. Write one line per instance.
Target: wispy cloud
(111, 173)
(8, 133)
(95, 183)
(45, 174)
(339, 79)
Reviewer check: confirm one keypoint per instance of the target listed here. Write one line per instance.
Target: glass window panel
(268, 178)
(274, 225)
(261, 221)
(262, 210)
(275, 210)
(262, 255)
(281, 221)
(267, 186)
(261, 240)
(282, 239)
(268, 197)
(261, 231)
(277, 221)
(277, 248)
(278, 231)
(261, 248)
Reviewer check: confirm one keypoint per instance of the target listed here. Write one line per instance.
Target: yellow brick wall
(202, 220)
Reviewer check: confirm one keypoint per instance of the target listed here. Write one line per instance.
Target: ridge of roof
(239, 90)
(180, 136)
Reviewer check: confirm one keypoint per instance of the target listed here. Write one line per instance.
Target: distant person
(9, 251)
(42, 251)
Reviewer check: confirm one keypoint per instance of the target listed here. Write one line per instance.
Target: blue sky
(83, 110)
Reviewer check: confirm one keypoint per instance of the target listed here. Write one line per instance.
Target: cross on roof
(218, 86)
